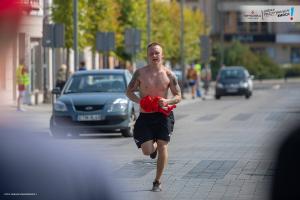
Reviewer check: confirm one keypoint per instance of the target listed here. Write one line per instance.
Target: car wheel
(128, 132)
(248, 95)
(217, 97)
(56, 132)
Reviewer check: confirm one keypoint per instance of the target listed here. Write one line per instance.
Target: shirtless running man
(152, 130)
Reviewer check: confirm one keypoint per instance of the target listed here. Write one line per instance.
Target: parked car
(233, 80)
(94, 101)
(179, 76)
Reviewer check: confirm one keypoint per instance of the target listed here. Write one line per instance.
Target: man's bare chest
(158, 82)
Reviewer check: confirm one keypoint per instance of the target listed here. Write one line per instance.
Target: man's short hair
(154, 44)
(82, 63)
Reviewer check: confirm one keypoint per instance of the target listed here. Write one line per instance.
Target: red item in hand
(150, 104)
(146, 103)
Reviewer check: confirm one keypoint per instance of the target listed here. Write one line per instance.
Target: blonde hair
(154, 44)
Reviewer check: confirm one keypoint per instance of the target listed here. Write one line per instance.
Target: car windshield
(232, 74)
(96, 83)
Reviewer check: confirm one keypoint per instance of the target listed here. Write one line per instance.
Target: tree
(166, 26)
(62, 12)
(132, 15)
(99, 16)
(194, 27)
(238, 54)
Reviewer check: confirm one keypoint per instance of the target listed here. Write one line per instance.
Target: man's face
(155, 55)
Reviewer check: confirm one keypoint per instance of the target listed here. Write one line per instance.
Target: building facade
(26, 47)
(281, 41)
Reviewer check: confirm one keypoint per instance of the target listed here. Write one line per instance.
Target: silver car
(93, 102)
(234, 80)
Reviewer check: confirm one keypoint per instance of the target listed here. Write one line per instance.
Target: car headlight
(60, 106)
(244, 84)
(119, 105)
(220, 85)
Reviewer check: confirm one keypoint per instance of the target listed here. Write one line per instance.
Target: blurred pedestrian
(206, 78)
(22, 82)
(198, 70)
(192, 79)
(154, 126)
(223, 66)
(61, 76)
(82, 66)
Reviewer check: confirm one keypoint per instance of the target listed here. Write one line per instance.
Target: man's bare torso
(154, 82)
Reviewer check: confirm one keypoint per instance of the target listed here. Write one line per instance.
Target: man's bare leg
(148, 147)
(19, 101)
(162, 160)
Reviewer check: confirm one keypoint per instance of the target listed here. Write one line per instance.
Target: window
(264, 27)
(271, 52)
(295, 55)
(253, 27)
(241, 26)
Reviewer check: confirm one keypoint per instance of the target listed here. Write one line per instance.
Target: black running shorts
(153, 126)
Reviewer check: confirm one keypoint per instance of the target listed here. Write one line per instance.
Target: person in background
(198, 70)
(223, 66)
(22, 82)
(192, 79)
(206, 78)
(61, 76)
(82, 66)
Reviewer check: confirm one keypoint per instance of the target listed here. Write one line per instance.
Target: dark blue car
(92, 102)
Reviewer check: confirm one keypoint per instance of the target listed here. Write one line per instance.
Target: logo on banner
(269, 14)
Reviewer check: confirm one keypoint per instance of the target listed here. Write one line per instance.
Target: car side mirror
(252, 77)
(56, 91)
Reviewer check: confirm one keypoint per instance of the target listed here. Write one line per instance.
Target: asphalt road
(220, 149)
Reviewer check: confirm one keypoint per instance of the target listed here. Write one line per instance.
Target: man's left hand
(162, 102)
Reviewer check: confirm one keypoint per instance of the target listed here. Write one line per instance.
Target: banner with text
(270, 13)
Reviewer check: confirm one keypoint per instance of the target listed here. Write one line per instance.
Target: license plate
(89, 117)
(232, 90)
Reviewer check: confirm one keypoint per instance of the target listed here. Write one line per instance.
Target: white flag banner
(270, 13)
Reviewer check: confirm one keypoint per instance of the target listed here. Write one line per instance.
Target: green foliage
(62, 12)
(237, 54)
(166, 30)
(132, 15)
(117, 15)
(293, 71)
(98, 16)
(193, 28)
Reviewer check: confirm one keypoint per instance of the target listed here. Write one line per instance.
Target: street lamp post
(221, 34)
(148, 21)
(182, 62)
(45, 53)
(75, 34)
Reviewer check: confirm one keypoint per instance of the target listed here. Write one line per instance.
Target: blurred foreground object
(10, 17)
(36, 167)
(285, 183)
